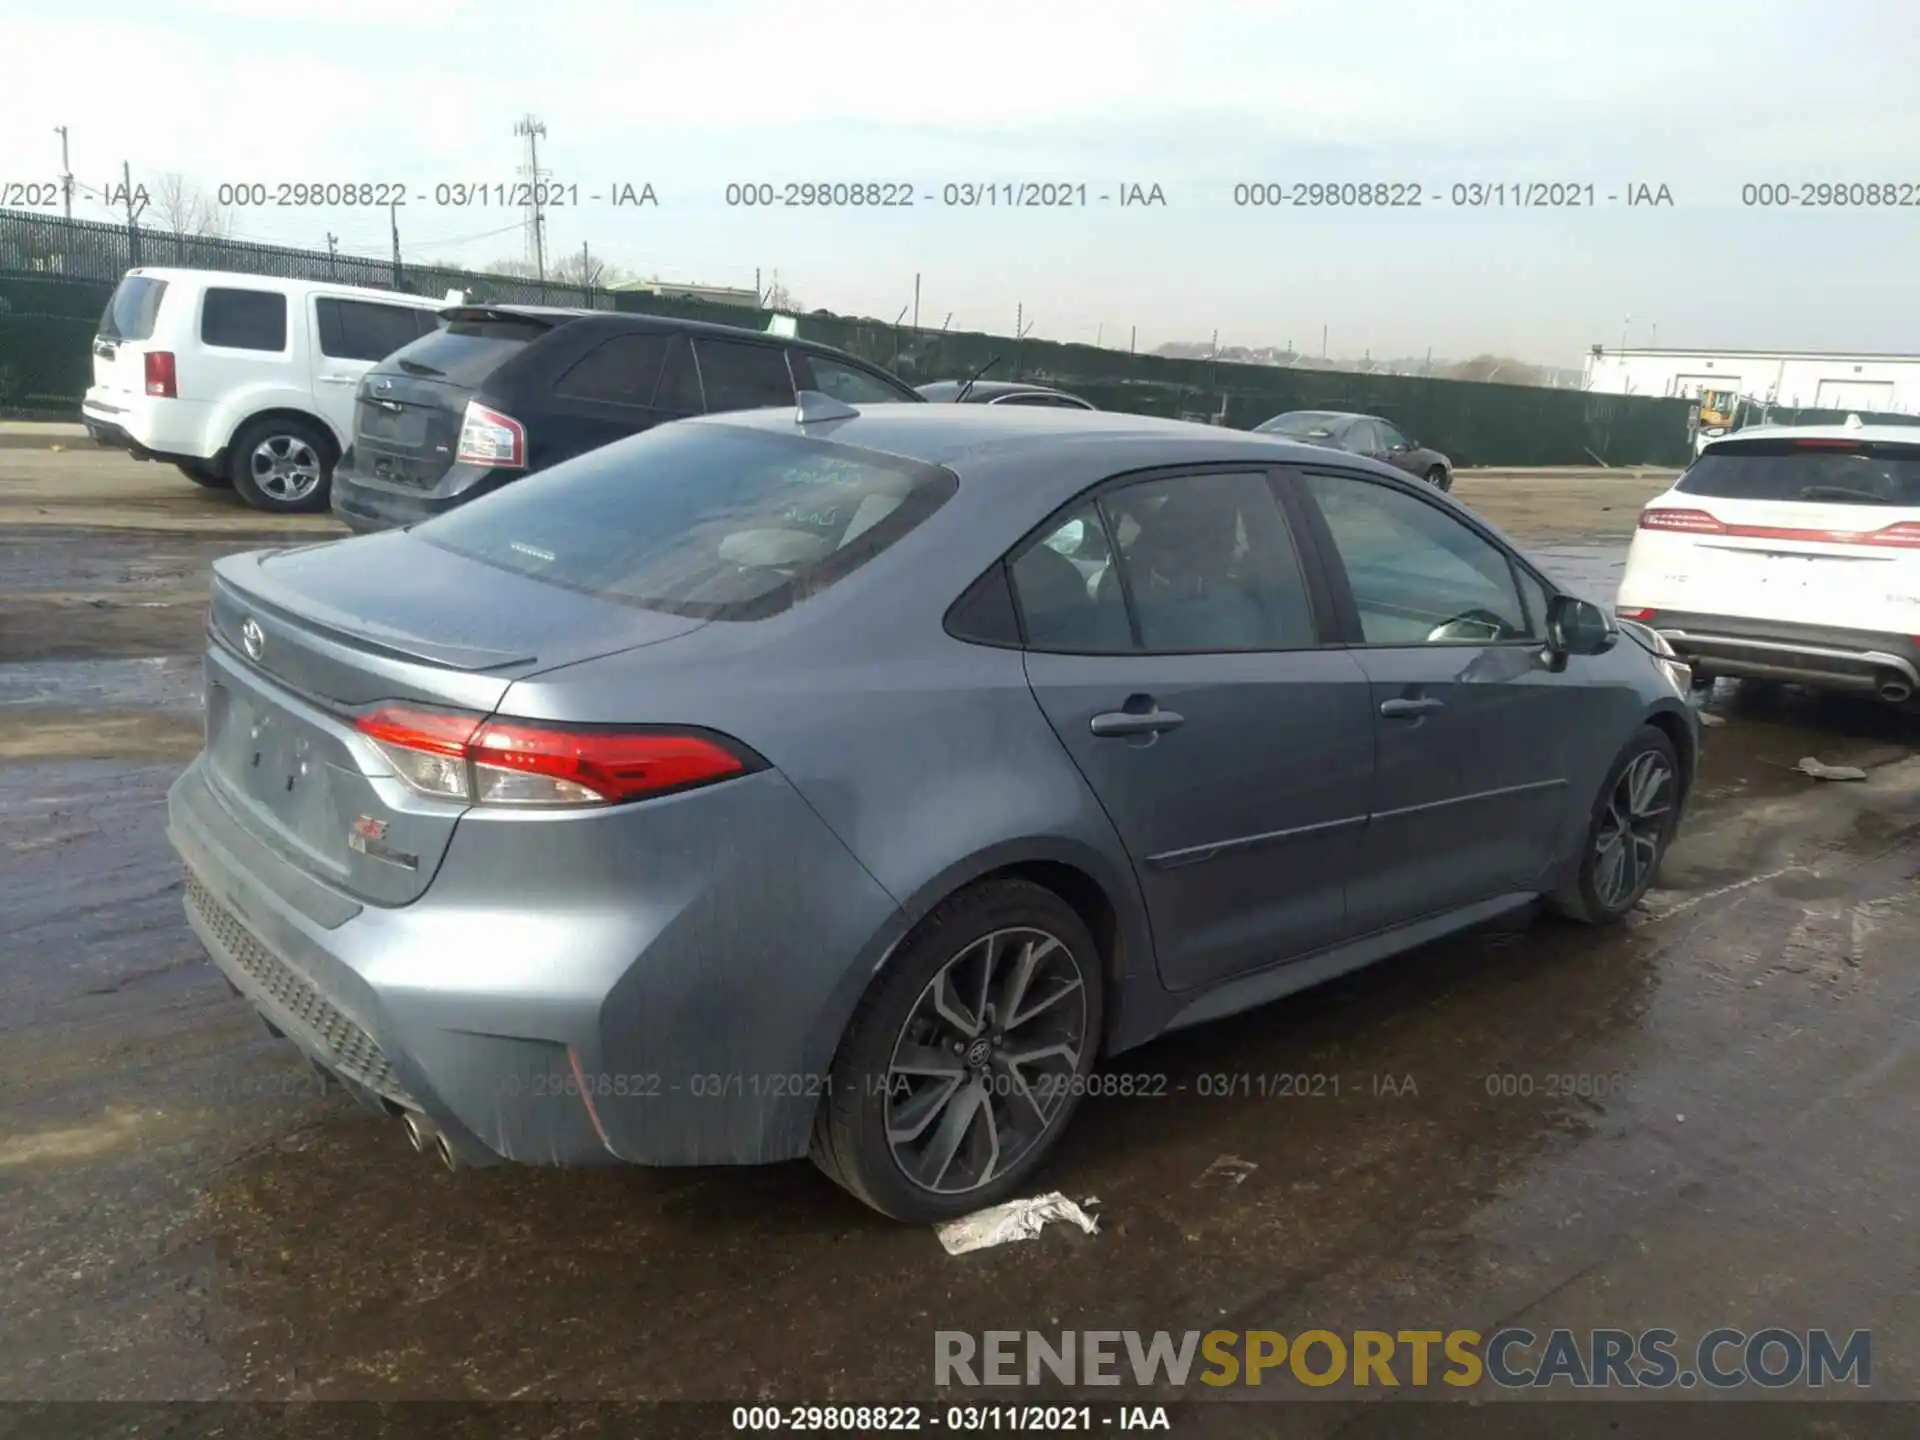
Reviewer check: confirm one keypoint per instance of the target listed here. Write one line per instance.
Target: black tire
(1591, 898)
(206, 477)
(1440, 479)
(851, 1141)
(302, 443)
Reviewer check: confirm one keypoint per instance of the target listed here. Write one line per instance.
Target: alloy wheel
(1632, 829)
(284, 467)
(987, 1060)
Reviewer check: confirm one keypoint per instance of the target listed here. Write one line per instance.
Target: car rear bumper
(679, 1006)
(365, 503)
(1818, 655)
(149, 428)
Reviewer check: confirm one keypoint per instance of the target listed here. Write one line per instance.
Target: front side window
(1361, 438)
(709, 521)
(1418, 575)
(244, 319)
(1390, 438)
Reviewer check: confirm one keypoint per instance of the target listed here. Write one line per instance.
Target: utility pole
(333, 249)
(916, 299)
(66, 171)
(533, 131)
(393, 219)
(1132, 335)
(586, 274)
(761, 301)
(133, 215)
(1323, 342)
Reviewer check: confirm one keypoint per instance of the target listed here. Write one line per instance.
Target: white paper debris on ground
(1227, 1170)
(1707, 717)
(1015, 1220)
(1820, 770)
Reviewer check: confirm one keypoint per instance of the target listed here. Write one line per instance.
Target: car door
(739, 375)
(1473, 727)
(1179, 650)
(1396, 449)
(350, 338)
(1361, 437)
(622, 384)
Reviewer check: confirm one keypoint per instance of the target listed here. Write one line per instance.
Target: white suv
(1789, 553)
(242, 380)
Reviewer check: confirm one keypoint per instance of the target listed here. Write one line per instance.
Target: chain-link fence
(56, 276)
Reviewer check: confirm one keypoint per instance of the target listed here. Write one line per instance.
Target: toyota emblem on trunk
(252, 638)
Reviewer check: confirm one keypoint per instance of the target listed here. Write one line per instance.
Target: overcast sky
(1195, 97)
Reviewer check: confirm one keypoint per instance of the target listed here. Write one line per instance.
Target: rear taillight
(489, 438)
(1695, 522)
(161, 379)
(1641, 614)
(528, 762)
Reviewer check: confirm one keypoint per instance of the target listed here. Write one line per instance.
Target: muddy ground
(183, 1215)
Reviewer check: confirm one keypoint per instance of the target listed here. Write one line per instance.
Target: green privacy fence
(56, 275)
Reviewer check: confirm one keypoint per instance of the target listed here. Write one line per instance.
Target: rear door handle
(1135, 722)
(1405, 709)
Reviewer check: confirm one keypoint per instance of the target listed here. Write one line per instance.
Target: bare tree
(569, 269)
(185, 211)
(780, 298)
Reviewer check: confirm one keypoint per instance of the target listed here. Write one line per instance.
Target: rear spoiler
(243, 578)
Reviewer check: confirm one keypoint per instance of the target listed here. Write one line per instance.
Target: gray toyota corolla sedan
(850, 784)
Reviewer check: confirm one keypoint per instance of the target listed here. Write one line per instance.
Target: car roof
(281, 284)
(947, 389)
(983, 438)
(640, 320)
(1876, 434)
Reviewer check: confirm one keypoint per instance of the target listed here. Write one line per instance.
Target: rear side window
(743, 377)
(365, 329)
(622, 371)
(244, 319)
(701, 520)
(1835, 472)
(133, 308)
(469, 349)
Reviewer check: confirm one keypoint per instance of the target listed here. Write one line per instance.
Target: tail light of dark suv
(488, 437)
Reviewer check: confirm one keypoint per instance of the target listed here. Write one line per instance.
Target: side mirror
(1578, 627)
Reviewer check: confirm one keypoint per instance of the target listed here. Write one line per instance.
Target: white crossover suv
(1789, 553)
(242, 380)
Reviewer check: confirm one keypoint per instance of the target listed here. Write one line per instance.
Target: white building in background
(1810, 380)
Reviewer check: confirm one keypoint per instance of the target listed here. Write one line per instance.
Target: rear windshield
(701, 520)
(134, 306)
(1834, 473)
(467, 351)
(1301, 423)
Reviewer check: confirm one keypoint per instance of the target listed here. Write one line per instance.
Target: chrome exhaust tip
(420, 1134)
(1893, 689)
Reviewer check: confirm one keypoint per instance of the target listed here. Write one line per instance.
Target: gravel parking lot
(183, 1214)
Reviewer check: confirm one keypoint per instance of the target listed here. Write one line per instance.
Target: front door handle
(1405, 709)
(340, 379)
(1135, 722)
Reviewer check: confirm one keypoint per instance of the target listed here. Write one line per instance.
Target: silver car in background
(849, 784)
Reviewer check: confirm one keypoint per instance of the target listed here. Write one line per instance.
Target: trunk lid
(304, 638)
(409, 407)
